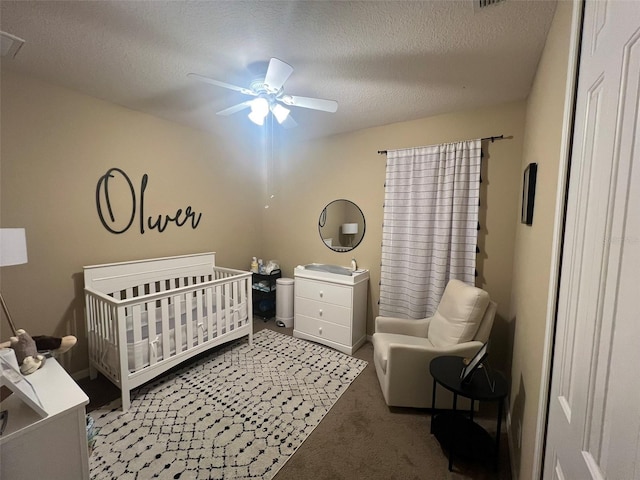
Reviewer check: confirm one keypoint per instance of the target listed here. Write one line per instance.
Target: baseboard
(512, 450)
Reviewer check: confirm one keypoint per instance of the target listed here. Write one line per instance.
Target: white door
(594, 411)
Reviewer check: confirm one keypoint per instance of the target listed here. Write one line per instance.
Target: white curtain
(430, 229)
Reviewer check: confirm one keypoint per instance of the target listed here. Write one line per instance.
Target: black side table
(455, 431)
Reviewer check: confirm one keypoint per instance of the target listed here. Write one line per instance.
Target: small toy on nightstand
(27, 349)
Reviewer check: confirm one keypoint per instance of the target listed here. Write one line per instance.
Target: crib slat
(239, 304)
(177, 315)
(227, 303)
(248, 305)
(232, 302)
(89, 305)
(136, 327)
(209, 313)
(166, 328)
(152, 337)
(102, 330)
(123, 295)
(219, 310)
(110, 330)
(199, 317)
(91, 334)
(236, 304)
(243, 298)
(188, 311)
(119, 334)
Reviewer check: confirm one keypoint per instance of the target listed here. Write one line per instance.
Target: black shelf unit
(264, 294)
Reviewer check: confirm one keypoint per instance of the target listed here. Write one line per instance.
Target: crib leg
(93, 371)
(126, 400)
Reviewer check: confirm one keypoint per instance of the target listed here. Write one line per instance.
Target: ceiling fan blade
(234, 109)
(277, 73)
(218, 83)
(330, 106)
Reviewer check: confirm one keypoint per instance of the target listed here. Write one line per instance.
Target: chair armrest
(466, 349)
(402, 326)
(403, 358)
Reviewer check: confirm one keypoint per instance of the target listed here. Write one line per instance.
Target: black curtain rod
(493, 139)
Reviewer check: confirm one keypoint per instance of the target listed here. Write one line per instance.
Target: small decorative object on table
(472, 365)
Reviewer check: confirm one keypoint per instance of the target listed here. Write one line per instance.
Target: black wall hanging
(528, 193)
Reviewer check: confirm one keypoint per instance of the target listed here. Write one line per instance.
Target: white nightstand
(53, 446)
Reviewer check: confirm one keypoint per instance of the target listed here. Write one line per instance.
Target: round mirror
(341, 225)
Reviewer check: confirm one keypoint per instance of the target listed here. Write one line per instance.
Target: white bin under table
(284, 302)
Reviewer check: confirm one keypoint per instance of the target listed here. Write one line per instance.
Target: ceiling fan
(270, 97)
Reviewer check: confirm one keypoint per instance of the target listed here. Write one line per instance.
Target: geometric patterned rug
(238, 413)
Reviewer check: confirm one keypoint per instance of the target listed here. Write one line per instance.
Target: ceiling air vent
(9, 44)
(480, 4)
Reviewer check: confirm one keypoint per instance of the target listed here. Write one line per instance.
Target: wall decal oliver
(115, 193)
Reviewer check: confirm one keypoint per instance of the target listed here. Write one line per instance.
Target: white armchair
(403, 348)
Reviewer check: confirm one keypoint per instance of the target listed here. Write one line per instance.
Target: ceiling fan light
(259, 110)
(281, 113)
(260, 106)
(256, 118)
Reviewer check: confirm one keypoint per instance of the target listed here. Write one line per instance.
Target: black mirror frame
(322, 221)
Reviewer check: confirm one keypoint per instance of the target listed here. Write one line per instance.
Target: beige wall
(57, 143)
(309, 175)
(533, 247)
(55, 146)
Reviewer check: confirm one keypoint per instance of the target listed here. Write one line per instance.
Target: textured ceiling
(383, 62)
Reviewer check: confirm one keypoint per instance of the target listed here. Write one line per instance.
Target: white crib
(145, 317)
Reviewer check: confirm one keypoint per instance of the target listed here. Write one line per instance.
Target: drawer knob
(320, 312)
(320, 330)
(321, 294)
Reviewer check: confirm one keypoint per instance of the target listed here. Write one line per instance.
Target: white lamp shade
(256, 118)
(349, 228)
(281, 113)
(13, 246)
(259, 110)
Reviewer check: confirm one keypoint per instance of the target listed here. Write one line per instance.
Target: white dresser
(49, 447)
(331, 308)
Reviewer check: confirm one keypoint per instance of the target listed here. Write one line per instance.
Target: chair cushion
(459, 314)
(381, 342)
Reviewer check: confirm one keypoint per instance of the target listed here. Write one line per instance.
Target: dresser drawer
(323, 330)
(323, 311)
(323, 292)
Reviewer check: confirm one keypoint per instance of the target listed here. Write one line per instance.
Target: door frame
(558, 235)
